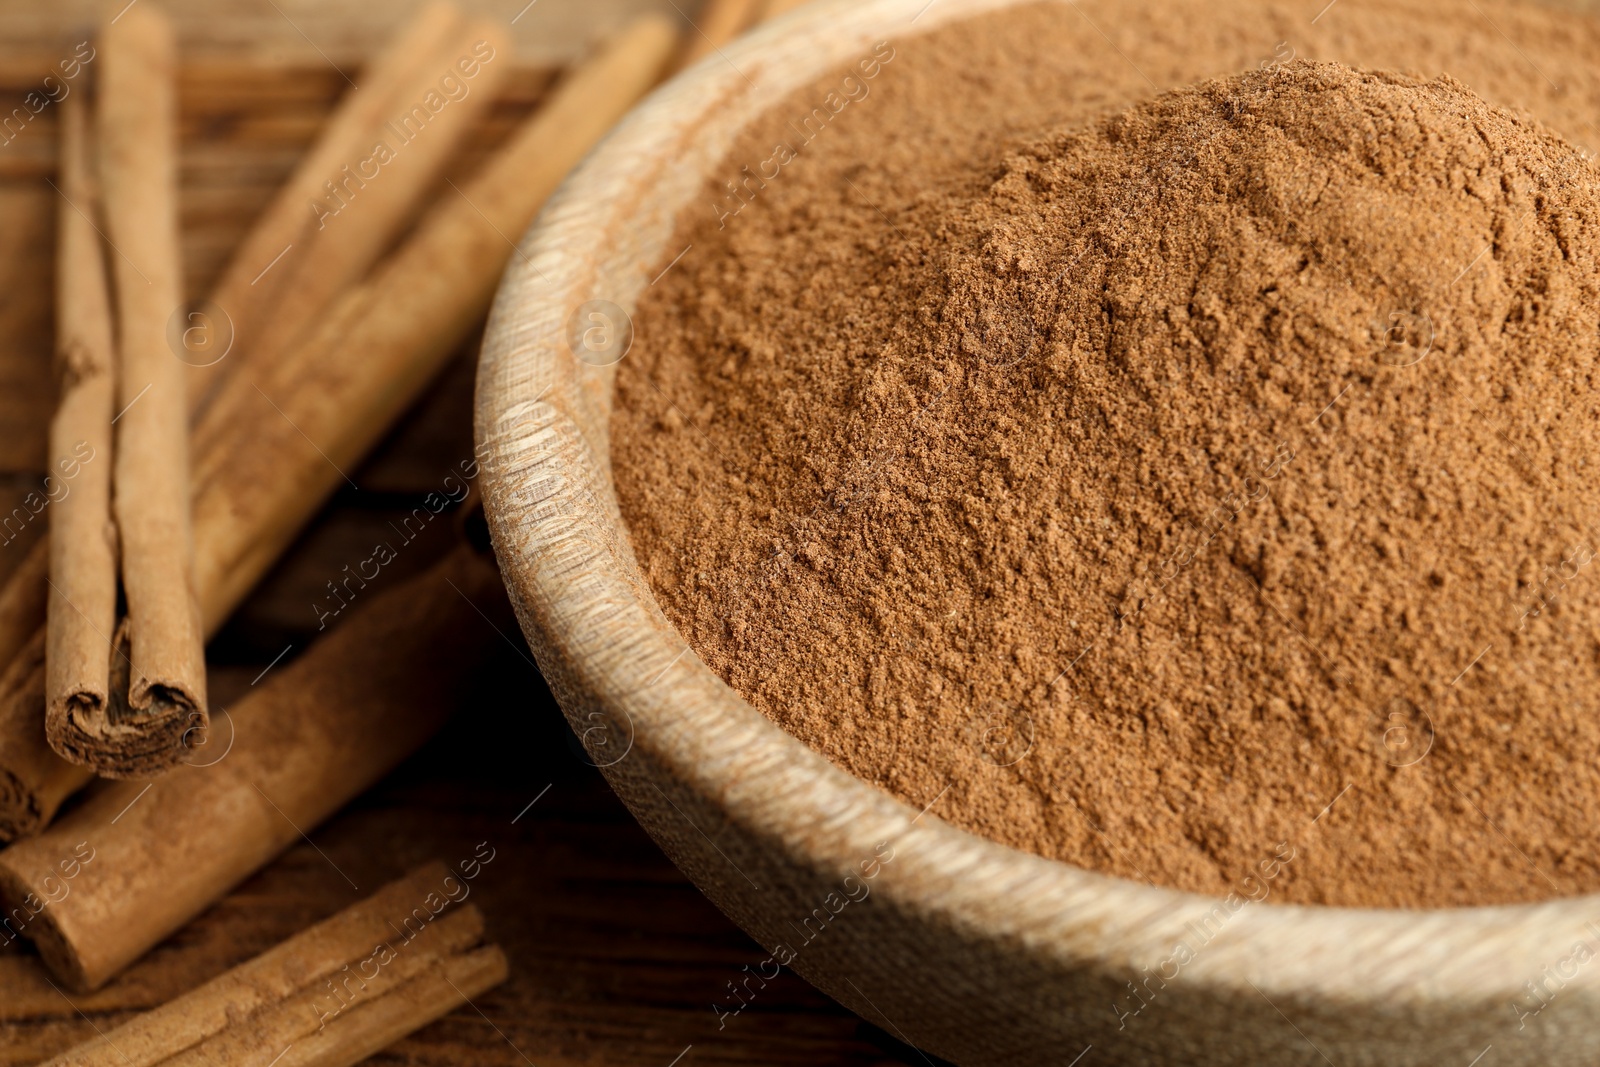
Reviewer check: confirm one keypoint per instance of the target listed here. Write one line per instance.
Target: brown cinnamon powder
(1147, 489)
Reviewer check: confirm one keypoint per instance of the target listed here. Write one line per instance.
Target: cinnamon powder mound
(1158, 493)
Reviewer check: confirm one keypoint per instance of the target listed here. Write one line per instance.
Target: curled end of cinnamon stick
(77, 705)
(144, 729)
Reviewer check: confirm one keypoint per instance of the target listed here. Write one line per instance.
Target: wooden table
(615, 957)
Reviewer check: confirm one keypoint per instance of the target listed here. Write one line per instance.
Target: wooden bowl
(971, 950)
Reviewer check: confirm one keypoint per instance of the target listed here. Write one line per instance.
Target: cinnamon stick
(22, 602)
(718, 22)
(445, 985)
(33, 779)
(309, 1011)
(83, 553)
(774, 8)
(249, 286)
(166, 696)
(357, 188)
(358, 370)
(321, 991)
(310, 737)
(347, 381)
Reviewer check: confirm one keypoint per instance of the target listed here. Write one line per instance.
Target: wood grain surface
(307, 33)
(615, 957)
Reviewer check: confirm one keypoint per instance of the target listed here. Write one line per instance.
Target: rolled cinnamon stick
(363, 202)
(445, 985)
(83, 553)
(310, 737)
(316, 984)
(358, 187)
(313, 1008)
(248, 289)
(347, 381)
(360, 369)
(166, 697)
(33, 782)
